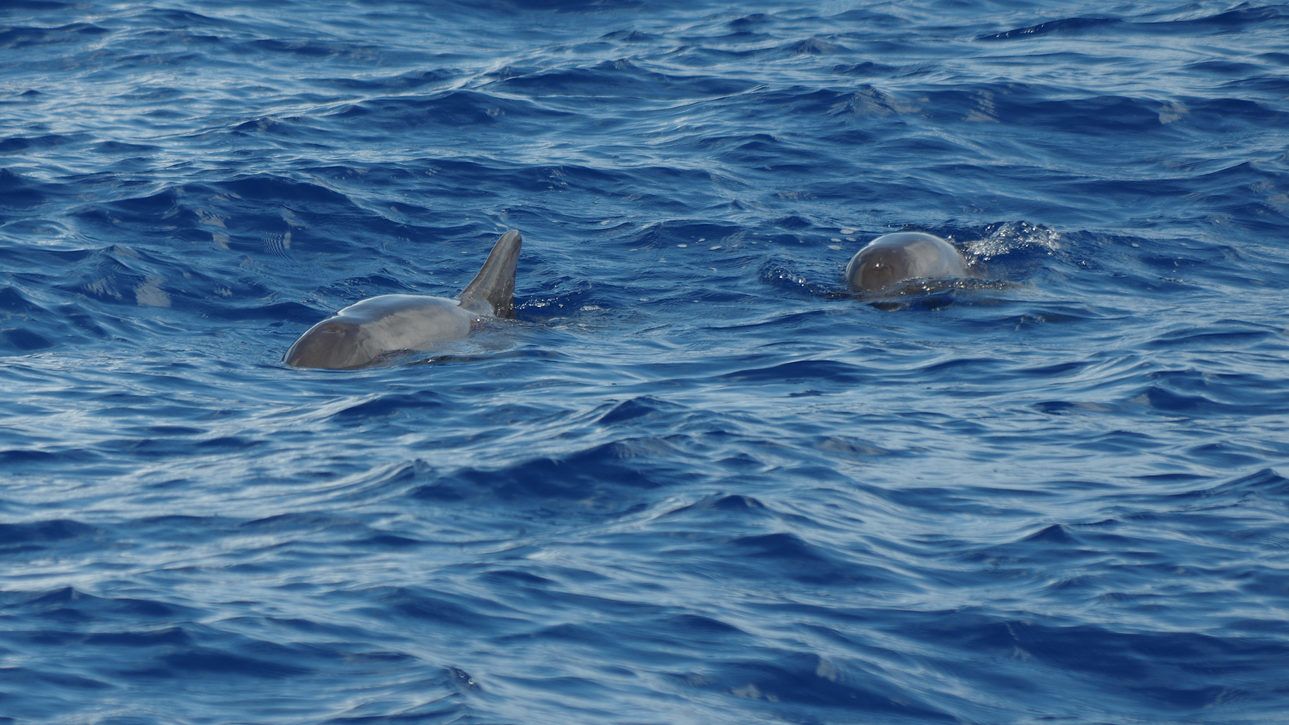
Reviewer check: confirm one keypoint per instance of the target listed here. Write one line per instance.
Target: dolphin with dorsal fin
(376, 328)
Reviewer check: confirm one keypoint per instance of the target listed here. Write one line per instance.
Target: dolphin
(376, 328)
(891, 260)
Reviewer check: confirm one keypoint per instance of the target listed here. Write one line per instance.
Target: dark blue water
(692, 482)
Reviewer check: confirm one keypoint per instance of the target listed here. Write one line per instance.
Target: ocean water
(693, 481)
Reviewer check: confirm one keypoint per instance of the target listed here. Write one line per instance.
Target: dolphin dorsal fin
(493, 290)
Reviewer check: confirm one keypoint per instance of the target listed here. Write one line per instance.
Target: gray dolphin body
(891, 260)
(374, 329)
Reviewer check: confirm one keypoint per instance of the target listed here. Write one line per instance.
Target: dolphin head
(878, 269)
(893, 259)
(334, 343)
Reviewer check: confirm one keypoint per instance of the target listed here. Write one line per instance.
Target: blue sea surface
(694, 481)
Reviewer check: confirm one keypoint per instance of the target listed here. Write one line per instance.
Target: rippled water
(692, 482)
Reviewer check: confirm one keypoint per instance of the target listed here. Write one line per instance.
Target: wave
(1245, 15)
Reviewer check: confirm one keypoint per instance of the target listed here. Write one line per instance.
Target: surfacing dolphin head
(334, 344)
(893, 259)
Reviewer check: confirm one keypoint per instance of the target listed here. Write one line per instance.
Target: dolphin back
(493, 290)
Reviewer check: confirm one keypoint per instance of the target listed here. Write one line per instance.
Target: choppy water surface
(692, 482)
